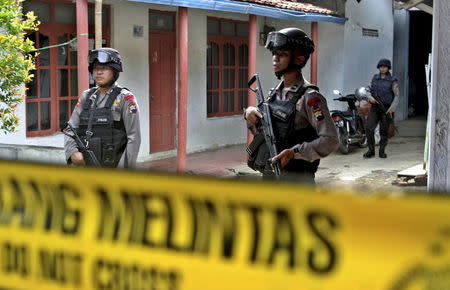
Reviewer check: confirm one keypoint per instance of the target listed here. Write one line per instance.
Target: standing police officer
(106, 117)
(302, 124)
(384, 99)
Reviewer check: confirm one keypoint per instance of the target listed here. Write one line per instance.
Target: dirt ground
(352, 171)
(375, 174)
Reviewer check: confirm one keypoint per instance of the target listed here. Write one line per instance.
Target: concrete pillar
(315, 38)
(439, 155)
(252, 40)
(183, 40)
(82, 45)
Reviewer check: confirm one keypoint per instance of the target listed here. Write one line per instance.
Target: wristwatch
(296, 149)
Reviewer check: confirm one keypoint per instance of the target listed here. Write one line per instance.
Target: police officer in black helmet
(384, 99)
(300, 116)
(106, 116)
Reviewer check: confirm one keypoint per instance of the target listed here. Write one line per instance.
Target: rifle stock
(81, 146)
(266, 122)
(383, 108)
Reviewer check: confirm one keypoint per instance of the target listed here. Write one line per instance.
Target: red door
(162, 90)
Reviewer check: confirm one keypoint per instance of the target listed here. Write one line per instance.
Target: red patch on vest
(129, 98)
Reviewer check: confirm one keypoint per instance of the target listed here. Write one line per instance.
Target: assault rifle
(84, 148)
(383, 108)
(380, 104)
(266, 122)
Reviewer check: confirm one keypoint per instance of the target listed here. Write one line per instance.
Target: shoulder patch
(314, 102)
(132, 108)
(129, 98)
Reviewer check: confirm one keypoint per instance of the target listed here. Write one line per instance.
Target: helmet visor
(102, 57)
(276, 40)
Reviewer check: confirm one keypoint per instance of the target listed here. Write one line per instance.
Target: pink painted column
(315, 38)
(252, 40)
(182, 87)
(82, 45)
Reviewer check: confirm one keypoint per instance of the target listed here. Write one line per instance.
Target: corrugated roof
(293, 5)
(284, 9)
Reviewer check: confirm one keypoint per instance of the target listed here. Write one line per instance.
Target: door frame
(173, 35)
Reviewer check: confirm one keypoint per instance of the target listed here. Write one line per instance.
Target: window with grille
(53, 93)
(227, 67)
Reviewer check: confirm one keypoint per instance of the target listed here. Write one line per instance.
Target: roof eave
(250, 8)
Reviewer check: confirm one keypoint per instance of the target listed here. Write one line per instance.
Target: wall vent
(370, 32)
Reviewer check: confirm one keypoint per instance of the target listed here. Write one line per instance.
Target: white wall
(331, 66)
(361, 53)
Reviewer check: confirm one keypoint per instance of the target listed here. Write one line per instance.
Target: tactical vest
(382, 88)
(283, 116)
(109, 138)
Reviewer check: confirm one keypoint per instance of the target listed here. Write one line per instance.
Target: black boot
(381, 153)
(369, 154)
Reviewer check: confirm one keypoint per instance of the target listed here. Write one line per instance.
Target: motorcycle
(350, 124)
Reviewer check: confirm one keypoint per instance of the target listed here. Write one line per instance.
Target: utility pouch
(283, 113)
(108, 155)
(95, 145)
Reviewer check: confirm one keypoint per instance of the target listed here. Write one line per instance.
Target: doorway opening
(420, 37)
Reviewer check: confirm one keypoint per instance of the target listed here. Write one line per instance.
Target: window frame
(53, 30)
(240, 90)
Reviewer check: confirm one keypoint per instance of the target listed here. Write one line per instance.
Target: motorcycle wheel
(344, 148)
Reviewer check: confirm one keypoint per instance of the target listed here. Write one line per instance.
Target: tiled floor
(218, 162)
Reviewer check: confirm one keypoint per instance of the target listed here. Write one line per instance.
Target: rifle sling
(91, 114)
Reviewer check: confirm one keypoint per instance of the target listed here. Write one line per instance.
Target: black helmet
(105, 56)
(384, 62)
(290, 39)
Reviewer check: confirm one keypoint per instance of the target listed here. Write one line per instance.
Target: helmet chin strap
(291, 66)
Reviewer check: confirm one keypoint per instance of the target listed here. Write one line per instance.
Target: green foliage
(15, 60)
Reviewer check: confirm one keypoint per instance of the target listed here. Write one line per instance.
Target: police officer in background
(384, 99)
(301, 120)
(106, 117)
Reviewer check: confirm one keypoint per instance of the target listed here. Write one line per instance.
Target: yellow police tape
(78, 228)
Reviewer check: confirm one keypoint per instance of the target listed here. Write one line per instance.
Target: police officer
(302, 124)
(106, 117)
(384, 99)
